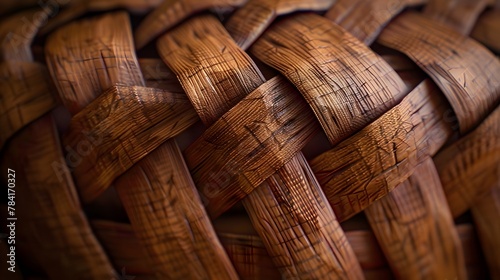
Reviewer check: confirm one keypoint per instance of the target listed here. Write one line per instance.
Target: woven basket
(259, 139)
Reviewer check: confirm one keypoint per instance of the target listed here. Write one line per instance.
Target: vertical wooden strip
(415, 228)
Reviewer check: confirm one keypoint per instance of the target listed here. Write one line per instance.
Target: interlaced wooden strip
(17, 33)
(271, 124)
(83, 64)
(59, 222)
(487, 29)
(158, 75)
(416, 230)
(469, 168)
(26, 95)
(385, 153)
(119, 128)
(149, 138)
(172, 12)
(250, 21)
(346, 84)
(465, 71)
(458, 14)
(486, 214)
(365, 19)
(300, 227)
(171, 191)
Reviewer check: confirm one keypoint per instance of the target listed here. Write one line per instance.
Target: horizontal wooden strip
(171, 13)
(168, 216)
(119, 128)
(471, 167)
(215, 73)
(415, 228)
(365, 19)
(465, 71)
(89, 56)
(250, 21)
(249, 143)
(49, 208)
(291, 205)
(345, 83)
(25, 95)
(368, 165)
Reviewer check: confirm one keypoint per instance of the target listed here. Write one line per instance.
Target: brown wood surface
(346, 84)
(487, 28)
(464, 70)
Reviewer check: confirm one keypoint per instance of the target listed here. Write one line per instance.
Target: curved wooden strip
(271, 124)
(250, 21)
(307, 225)
(486, 213)
(25, 95)
(465, 71)
(415, 228)
(83, 64)
(345, 83)
(365, 19)
(202, 48)
(49, 209)
(17, 32)
(174, 240)
(458, 14)
(78, 8)
(172, 12)
(487, 29)
(470, 167)
(368, 165)
(119, 128)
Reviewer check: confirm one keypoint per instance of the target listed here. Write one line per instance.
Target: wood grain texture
(158, 75)
(486, 213)
(319, 243)
(415, 228)
(49, 209)
(471, 166)
(271, 124)
(464, 70)
(171, 13)
(167, 206)
(202, 48)
(487, 28)
(461, 15)
(251, 20)
(368, 165)
(26, 94)
(119, 128)
(78, 8)
(17, 32)
(346, 84)
(365, 19)
(83, 64)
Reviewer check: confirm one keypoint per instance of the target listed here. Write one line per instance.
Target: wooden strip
(83, 64)
(158, 75)
(26, 95)
(415, 228)
(208, 63)
(251, 20)
(465, 71)
(461, 15)
(365, 19)
(119, 128)
(154, 206)
(49, 209)
(171, 13)
(305, 226)
(368, 165)
(470, 167)
(271, 124)
(487, 28)
(345, 83)
(486, 212)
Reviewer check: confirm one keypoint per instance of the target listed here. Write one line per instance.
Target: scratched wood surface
(253, 139)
